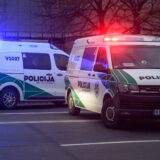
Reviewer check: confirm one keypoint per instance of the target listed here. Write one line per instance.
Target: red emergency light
(113, 39)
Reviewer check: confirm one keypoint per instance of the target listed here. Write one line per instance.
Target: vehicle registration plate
(156, 112)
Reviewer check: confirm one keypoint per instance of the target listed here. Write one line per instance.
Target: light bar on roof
(115, 39)
(123, 38)
(111, 39)
(134, 39)
(90, 41)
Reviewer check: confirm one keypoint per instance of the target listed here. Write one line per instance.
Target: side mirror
(101, 68)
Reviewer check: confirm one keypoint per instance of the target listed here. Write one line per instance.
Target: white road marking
(111, 142)
(31, 113)
(47, 122)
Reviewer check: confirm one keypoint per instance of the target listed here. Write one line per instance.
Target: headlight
(133, 87)
(122, 87)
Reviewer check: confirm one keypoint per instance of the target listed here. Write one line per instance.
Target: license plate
(156, 112)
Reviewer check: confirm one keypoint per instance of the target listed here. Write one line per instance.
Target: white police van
(115, 75)
(31, 71)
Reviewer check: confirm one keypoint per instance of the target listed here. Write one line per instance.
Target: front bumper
(139, 105)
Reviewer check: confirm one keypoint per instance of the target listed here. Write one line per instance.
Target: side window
(88, 59)
(101, 59)
(61, 61)
(75, 58)
(39, 61)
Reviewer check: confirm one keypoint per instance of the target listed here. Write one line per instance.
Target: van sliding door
(38, 78)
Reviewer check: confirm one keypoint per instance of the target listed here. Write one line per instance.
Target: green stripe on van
(119, 76)
(4, 78)
(77, 100)
(129, 78)
(32, 91)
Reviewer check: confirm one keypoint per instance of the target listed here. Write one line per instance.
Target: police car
(31, 71)
(115, 75)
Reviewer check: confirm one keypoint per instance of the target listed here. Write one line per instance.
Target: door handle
(59, 74)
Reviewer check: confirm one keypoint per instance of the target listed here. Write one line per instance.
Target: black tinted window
(61, 61)
(39, 61)
(88, 59)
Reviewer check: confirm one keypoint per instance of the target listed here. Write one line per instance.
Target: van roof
(26, 45)
(116, 37)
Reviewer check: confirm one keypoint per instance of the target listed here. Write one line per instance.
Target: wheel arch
(106, 95)
(13, 86)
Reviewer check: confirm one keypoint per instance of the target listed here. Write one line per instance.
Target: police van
(115, 75)
(31, 71)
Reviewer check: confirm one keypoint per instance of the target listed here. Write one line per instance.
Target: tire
(109, 115)
(71, 107)
(9, 98)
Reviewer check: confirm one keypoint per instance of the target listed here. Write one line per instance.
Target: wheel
(71, 107)
(9, 98)
(109, 114)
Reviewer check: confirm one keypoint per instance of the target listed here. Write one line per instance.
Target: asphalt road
(49, 133)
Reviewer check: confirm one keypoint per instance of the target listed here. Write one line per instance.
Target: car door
(38, 76)
(61, 62)
(86, 77)
(99, 83)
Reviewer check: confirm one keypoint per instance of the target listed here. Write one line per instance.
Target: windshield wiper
(128, 67)
(136, 67)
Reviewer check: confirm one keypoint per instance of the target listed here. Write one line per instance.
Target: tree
(91, 17)
(45, 11)
(137, 13)
(97, 15)
(153, 24)
(81, 17)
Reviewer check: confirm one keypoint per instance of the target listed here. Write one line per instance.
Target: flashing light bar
(90, 41)
(123, 38)
(131, 38)
(113, 39)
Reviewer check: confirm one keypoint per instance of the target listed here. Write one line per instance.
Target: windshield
(135, 57)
